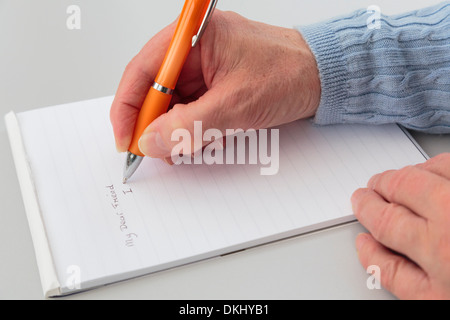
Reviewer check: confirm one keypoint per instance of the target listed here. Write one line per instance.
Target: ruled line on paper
(188, 212)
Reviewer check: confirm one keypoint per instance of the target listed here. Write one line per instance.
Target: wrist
(309, 76)
(301, 89)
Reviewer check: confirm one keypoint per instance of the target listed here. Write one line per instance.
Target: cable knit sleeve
(395, 72)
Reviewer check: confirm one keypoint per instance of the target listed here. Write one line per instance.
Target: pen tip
(131, 164)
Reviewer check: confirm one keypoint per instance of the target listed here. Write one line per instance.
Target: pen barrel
(188, 25)
(155, 104)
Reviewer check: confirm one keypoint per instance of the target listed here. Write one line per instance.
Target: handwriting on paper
(129, 237)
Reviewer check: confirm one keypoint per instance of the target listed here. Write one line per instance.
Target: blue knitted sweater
(395, 69)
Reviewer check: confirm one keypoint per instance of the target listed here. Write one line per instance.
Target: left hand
(407, 212)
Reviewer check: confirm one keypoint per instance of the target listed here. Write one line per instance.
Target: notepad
(90, 230)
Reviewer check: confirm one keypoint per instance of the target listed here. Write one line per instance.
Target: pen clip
(201, 30)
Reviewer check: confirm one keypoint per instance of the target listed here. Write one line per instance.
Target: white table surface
(43, 63)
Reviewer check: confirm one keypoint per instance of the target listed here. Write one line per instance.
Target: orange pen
(191, 24)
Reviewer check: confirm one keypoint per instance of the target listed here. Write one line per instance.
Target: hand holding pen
(242, 74)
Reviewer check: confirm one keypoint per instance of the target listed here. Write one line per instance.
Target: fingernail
(373, 182)
(356, 197)
(152, 145)
(361, 240)
(120, 148)
(168, 160)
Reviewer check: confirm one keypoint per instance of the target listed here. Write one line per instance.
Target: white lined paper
(181, 214)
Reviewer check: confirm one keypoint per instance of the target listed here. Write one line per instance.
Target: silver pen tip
(131, 164)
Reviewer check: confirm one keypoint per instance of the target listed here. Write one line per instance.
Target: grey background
(43, 63)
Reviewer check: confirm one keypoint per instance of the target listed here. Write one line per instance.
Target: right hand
(243, 74)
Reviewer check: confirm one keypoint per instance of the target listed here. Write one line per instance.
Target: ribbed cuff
(394, 72)
(332, 65)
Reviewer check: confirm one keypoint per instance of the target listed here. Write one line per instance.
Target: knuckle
(386, 222)
(432, 162)
(177, 117)
(439, 163)
(443, 157)
(131, 64)
(389, 272)
(441, 197)
(401, 178)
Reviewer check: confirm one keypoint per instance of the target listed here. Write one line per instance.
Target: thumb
(186, 123)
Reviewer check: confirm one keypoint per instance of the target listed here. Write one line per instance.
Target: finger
(394, 226)
(439, 165)
(189, 123)
(168, 160)
(421, 191)
(397, 274)
(136, 81)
